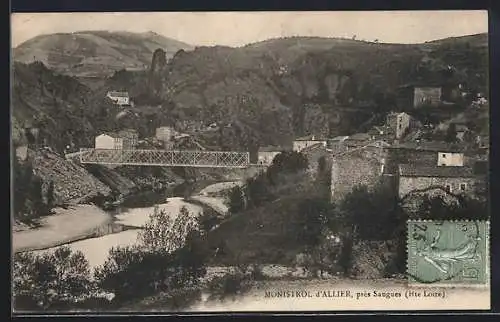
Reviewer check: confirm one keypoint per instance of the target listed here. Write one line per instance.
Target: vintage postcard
(250, 161)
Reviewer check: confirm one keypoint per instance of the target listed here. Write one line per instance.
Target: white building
(164, 133)
(304, 142)
(119, 98)
(266, 155)
(108, 141)
(450, 159)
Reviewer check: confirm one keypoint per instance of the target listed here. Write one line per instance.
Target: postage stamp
(448, 252)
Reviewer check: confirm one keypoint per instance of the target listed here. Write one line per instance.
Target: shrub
(375, 215)
(41, 281)
(130, 272)
(236, 200)
(228, 285)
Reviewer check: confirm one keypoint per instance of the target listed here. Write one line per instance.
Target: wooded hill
(260, 94)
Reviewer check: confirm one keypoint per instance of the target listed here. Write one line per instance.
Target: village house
(109, 141)
(164, 133)
(119, 98)
(265, 155)
(430, 153)
(435, 180)
(301, 143)
(430, 96)
(417, 96)
(399, 123)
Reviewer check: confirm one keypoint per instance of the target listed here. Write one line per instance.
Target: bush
(130, 272)
(466, 208)
(375, 215)
(42, 281)
(229, 285)
(236, 200)
(313, 214)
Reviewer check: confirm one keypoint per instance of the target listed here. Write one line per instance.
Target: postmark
(454, 253)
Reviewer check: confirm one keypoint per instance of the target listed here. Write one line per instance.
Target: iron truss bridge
(164, 158)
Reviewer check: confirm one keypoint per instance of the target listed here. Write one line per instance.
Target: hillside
(95, 53)
(261, 94)
(59, 106)
(268, 92)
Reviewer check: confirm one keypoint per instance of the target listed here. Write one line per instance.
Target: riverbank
(64, 226)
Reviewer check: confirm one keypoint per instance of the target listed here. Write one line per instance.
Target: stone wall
(360, 167)
(411, 184)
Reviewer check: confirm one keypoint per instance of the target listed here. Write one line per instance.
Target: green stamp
(448, 252)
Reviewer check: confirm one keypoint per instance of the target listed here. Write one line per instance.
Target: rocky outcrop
(72, 183)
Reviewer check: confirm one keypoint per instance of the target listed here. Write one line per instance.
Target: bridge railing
(217, 159)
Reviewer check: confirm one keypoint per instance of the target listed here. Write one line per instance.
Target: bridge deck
(206, 159)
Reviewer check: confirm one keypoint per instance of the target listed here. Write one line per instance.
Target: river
(127, 220)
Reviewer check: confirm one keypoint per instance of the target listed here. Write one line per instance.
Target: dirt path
(65, 226)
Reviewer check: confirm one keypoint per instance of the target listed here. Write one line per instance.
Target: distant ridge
(95, 53)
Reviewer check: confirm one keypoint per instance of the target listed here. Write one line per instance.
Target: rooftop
(270, 148)
(314, 147)
(359, 137)
(410, 170)
(118, 94)
(339, 138)
(309, 138)
(436, 146)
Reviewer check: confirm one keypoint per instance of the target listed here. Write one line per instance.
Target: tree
(313, 215)
(375, 215)
(258, 191)
(236, 200)
(451, 133)
(50, 195)
(286, 163)
(54, 278)
(164, 234)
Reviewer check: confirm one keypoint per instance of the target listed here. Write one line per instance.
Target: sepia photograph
(249, 161)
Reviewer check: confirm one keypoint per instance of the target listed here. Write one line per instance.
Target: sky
(240, 28)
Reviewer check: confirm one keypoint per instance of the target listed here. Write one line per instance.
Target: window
(463, 186)
(448, 188)
(444, 156)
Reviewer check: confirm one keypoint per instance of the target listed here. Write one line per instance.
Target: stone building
(399, 123)
(434, 180)
(425, 154)
(119, 98)
(360, 166)
(418, 95)
(430, 96)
